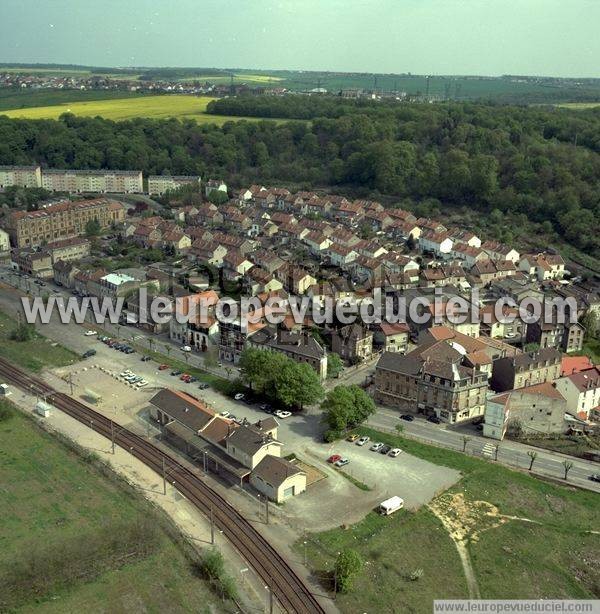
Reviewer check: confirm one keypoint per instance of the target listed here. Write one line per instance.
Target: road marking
(488, 449)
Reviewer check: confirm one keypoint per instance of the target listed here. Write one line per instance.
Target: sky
(482, 37)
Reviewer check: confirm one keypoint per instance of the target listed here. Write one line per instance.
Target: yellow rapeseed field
(157, 107)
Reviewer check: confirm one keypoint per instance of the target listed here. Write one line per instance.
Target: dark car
(434, 419)
(89, 353)
(385, 449)
(146, 358)
(595, 477)
(407, 417)
(129, 350)
(203, 386)
(176, 372)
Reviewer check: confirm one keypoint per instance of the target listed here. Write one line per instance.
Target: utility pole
(212, 527)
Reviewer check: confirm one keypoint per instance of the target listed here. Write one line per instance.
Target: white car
(90, 333)
(395, 452)
(280, 413)
(239, 396)
(186, 348)
(376, 447)
(125, 374)
(362, 441)
(142, 383)
(225, 414)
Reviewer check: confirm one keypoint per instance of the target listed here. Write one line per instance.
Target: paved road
(510, 453)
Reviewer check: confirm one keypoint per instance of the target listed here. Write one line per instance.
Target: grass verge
(35, 354)
(93, 543)
(526, 538)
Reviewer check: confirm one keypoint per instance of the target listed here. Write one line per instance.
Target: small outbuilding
(277, 478)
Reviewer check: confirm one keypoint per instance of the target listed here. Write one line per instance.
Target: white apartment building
(21, 176)
(159, 184)
(100, 181)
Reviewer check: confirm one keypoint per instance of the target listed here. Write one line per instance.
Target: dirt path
(465, 521)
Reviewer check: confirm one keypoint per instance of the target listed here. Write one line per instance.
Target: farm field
(579, 105)
(57, 506)
(153, 107)
(12, 98)
(503, 521)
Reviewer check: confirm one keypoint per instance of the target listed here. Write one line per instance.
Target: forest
(542, 163)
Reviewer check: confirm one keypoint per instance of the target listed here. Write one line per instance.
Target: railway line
(285, 585)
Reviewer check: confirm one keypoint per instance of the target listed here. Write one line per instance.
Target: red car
(334, 458)
(185, 378)
(162, 367)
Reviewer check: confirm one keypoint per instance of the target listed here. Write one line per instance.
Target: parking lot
(327, 502)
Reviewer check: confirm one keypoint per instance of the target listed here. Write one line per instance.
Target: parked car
(162, 367)
(184, 376)
(352, 438)
(192, 379)
(176, 372)
(89, 333)
(281, 413)
(203, 386)
(89, 353)
(126, 373)
(225, 414)
(265, 407)
(129, 350)
(334, 458)
(395, 452)
(362, 440)
(407, 417)
(342, 462)
(595, 477)
(385, 449)
(239, 396)
(186, 348)
(434, 419)
(146, 359)
(376, 447)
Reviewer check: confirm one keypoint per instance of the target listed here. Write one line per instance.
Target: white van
(389, 506)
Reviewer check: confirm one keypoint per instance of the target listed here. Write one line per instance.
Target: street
(510, 453)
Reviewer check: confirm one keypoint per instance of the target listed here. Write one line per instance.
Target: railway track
(285, 585)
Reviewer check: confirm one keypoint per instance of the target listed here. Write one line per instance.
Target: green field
(579, 105)
(34, 354)
(11, 98)
(54, 504)
(154, 107)
(526, 538)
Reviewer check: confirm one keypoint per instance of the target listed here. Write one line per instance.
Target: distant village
(515, 378)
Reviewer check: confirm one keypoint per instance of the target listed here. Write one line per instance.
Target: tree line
(539, 162)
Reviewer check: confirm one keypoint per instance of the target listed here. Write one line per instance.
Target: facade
(565, 336)
(159, 184)
(37, 264)
(68, 250)
(297, 346)
(250, 444)
(63, 220)
(526, 369)
(278, 479)
(442, 386)
(582, 392)
(353, 343)
(534, 410)
(4, 241)
(21, 176)
(392, 337)
(100, 181)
